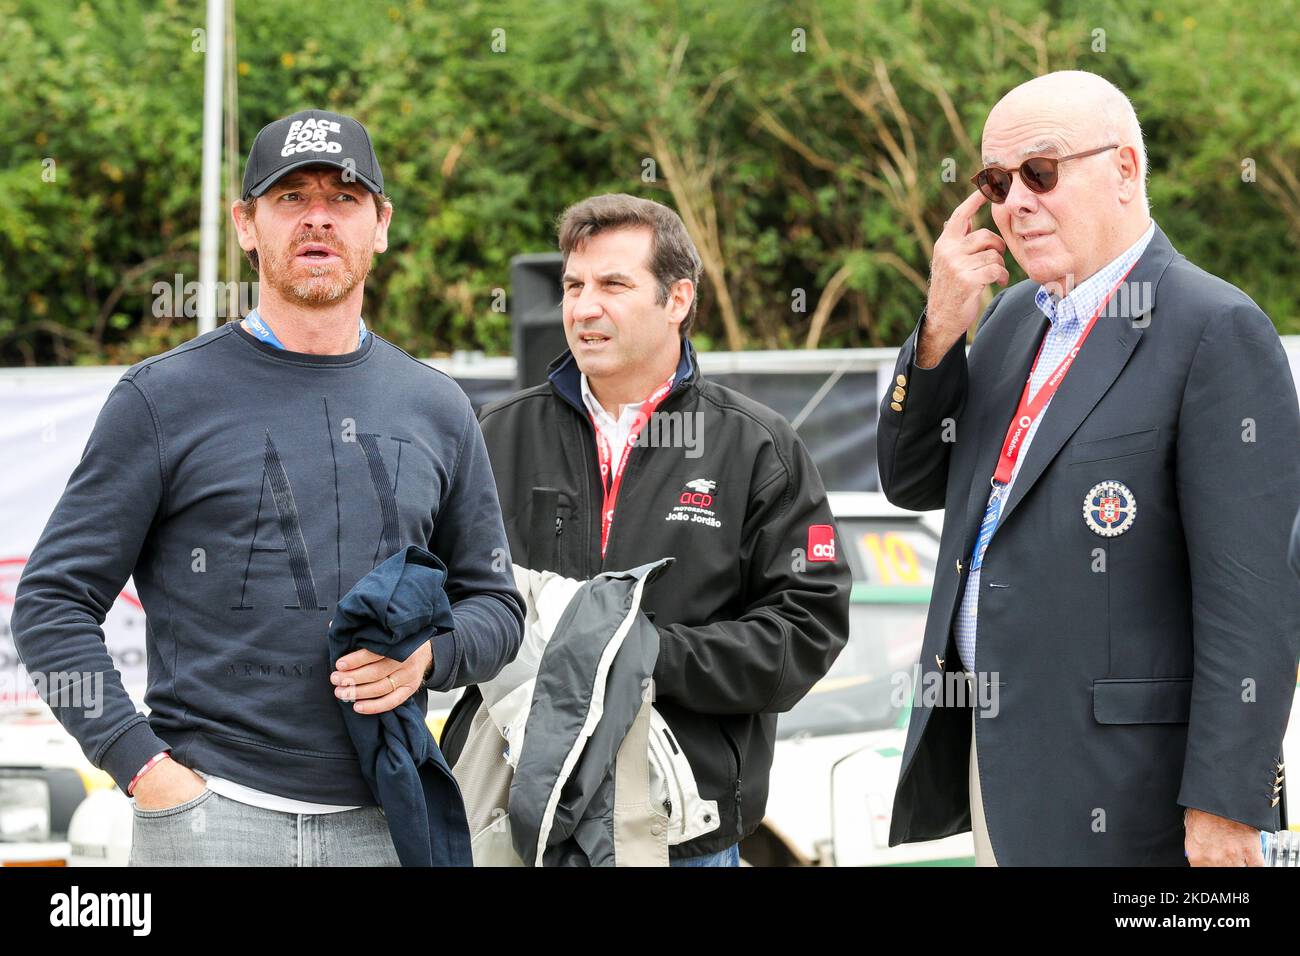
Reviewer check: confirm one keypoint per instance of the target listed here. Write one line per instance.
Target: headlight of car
(24, 810)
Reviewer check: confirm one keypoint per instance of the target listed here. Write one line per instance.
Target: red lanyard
(611, 473)
(1028, 410)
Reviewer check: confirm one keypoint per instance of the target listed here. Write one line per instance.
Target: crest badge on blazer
(1109, 508)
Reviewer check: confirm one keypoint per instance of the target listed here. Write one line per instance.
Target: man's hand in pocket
(167, 785)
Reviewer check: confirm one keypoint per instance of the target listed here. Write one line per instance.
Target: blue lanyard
(263, 331)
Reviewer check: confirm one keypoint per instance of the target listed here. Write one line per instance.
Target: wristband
(153, 762)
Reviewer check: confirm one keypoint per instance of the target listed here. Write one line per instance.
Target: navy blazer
(1136, 674)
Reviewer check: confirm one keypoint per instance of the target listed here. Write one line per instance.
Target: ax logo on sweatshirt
(695, 503)
(285, 521)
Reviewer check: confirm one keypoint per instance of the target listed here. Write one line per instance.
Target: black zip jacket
(756, 607)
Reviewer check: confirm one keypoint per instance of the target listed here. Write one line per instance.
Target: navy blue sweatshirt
(247, 488)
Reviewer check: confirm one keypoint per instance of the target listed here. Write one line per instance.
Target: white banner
(45, 418)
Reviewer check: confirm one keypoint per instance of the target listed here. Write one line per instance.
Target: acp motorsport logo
(695, 503)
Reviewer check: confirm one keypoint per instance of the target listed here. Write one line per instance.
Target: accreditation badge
(1109, 508)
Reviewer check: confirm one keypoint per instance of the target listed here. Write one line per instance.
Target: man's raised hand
(965, 263)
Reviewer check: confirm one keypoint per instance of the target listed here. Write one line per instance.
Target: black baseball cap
(309, 138)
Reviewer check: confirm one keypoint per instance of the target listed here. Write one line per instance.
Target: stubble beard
(320, 285)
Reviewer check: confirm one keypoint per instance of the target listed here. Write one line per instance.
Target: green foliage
(805, 143)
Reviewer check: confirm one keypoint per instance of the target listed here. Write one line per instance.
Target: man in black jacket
(756, 607)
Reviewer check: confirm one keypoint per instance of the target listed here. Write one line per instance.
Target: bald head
(1084, 104)
(1099, 206)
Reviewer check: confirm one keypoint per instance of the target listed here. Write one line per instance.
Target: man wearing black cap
(246, 480)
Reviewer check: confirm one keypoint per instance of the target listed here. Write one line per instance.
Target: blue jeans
(728, 857)
(213, 830)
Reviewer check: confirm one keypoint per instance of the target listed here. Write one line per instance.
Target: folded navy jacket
(394, 609)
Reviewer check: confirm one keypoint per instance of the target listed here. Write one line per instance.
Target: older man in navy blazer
(1119, 462)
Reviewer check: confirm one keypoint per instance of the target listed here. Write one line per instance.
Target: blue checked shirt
(1068, 317)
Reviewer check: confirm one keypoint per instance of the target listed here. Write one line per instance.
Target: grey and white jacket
(566, 762)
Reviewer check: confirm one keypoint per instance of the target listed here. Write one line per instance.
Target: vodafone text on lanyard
(611, 472)
(1021, 422)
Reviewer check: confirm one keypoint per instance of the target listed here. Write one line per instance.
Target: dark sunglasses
(1037, 173)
